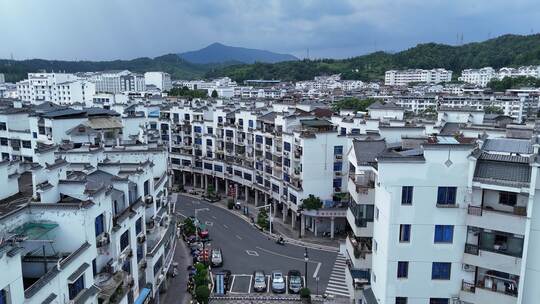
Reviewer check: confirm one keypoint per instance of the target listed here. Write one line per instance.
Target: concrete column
(226, 186)
(216, 184)
(194, 175)
(256, 198)
(332, 228)
(293, 219)
(183, 178)
(302, 225)
(315, 226)
(274, 208)
(246, 191)
(237, 192)
(284, 211)
(205, 182)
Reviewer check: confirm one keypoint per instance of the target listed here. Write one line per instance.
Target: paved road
(245, 249)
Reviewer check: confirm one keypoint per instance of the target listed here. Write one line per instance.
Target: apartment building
(2, 78)
(117, 81)
(161, 80)
(479, 77)
(404, 77)
(55, 87)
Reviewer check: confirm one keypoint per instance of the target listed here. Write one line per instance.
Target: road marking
(285, 256)
(268, 285)
(232, 283)
(180, 214)
(252, 252)
(226, 227)
(214, 217)
(249, 287)
(317, 270)
(238, 237)
(208, 223)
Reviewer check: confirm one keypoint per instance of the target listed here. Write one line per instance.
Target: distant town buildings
(2, 78)
(55, 87)
(117, 81)
(483, 76)
(161, 80)
(404, 77)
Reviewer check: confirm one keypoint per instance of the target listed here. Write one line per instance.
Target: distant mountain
(507, 50)
(220, 53)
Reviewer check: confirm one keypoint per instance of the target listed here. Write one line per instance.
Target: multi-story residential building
(118, 81)
(161, 80)
(2, 78)
(404, 77)
(55, 87)
(479, 77)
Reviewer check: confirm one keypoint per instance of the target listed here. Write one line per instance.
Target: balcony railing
(467, 286)
(471, 249)
(479, 210)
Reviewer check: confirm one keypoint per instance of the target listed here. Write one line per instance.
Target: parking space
(243, 284)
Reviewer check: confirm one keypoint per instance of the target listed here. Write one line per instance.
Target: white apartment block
(2, 78)
(404, 77)
(118, 81)
(161, 80)
(483, 76)
(55, 87)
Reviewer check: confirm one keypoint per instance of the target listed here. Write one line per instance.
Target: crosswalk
(337, 285)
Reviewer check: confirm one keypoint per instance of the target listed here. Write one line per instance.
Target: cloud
(110, 29)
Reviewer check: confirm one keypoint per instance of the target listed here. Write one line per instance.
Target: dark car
(295, 281)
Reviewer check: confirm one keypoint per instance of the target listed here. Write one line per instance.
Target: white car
(278, 282)
(217, 258)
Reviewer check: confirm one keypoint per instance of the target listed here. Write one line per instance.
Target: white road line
(286, 285)
(214, 217)
(238, 237)
(232, 283)
(317, 270)
(337, 293)
(226, 227)
(285, 256)
(268, 285)
(249, 287)
(336, 286)
(180, 214)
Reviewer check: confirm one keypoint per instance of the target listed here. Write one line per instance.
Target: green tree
(312, 203)
(353, 103)
(493, 110)
(262, 218)
(189, 226)
(214, 94)
(186, 92)
(202, 294)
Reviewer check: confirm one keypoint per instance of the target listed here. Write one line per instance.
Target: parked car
(295, 281)
(227, 277)
(278, 282)
(217, 258)
(203, 231)
(259, 281)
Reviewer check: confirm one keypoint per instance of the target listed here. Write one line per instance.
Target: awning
(143, 296)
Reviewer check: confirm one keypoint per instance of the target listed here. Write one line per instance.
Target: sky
(126, 29)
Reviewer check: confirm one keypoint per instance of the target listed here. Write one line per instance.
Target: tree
(312, 203)
(214, 94)
(189, 227)
(262, 218)
(353, 103)
(493, 110)
(186, 92)
(202, 294)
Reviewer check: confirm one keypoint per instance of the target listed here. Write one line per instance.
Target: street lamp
(306, 259)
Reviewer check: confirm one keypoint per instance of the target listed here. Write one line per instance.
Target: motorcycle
(280, 241)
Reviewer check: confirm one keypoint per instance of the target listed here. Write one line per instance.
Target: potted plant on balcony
(312, 203)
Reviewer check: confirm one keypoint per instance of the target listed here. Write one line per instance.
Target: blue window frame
(186, 162)
(292, 198)
(240, 122)
(198, 163)
(250, 123)
(76, 287)
(446, 196)
(208, 166)
(3, 297)
(342, 131)
(210, 130)
(275, 188)
(404, 233)
(238, 173)
(402, 269)
(406, 195)
(209, 154)
(124, 240)
(220, 119)
(197, 129)
(286, 177)
(229, 133)
(440, 271)
(258, 139)
(99, 227)
(338, 150)
(337, 182)
(247, 176)
(140, 252)
(444, 234)
(259, 179)
(286, 162)
(198, 141)
(287, 146)
(338, 166)
(218, 168)
(439, 301)
(157, 265)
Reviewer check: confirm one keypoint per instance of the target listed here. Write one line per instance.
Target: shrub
(305, 293)
(202, 294)
(230, 204)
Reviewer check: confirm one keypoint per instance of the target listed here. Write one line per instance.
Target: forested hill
(507, 50)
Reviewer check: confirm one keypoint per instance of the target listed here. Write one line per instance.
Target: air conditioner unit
(141, 238)
(102, 240)
(468, 268)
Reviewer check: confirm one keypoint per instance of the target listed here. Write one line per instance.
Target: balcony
(490, 218)
(359, 251)
(491, 287)
(362, 226)
(112, 286)
(359, 193)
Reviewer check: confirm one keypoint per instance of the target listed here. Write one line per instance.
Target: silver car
(259, 281)
(278, 282)
(217, 257)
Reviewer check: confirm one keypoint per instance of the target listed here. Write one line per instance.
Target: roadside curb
(274, 236)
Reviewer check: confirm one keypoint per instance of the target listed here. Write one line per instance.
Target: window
(401, 300)
(286, 162)
(3, 297)
(250, 123)
(337, 183)
(338, 166)
(438, 301)
(209, 142)
(247, 176)
(287, 146)
(338, 150)
(198, 141)
(446, 196)
(444, 234)
(98, 224)
(404, 233)
(406, 195)
(76, 287)
(507, 198)
(208, 166)
(138, 226)
(258, 139)
(210, 130)
(124, 240)
(402, 270)
(218, 168)
(3, 126)
(440, 271)
(3, 141)
(342, 131)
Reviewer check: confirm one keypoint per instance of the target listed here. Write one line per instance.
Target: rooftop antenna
(461, 41)
(307, 53)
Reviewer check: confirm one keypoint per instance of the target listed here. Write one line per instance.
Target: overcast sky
(125, 29)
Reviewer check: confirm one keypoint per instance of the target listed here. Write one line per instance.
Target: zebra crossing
(337, 285)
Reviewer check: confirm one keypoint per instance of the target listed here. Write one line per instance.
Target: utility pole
(306, 259)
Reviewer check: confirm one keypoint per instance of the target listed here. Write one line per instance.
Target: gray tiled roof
(503, 172)
(366, 151)
(508, 145)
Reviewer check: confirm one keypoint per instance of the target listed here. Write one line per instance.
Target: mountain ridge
(219, 53)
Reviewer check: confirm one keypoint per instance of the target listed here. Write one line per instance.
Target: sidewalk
(280, 228)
